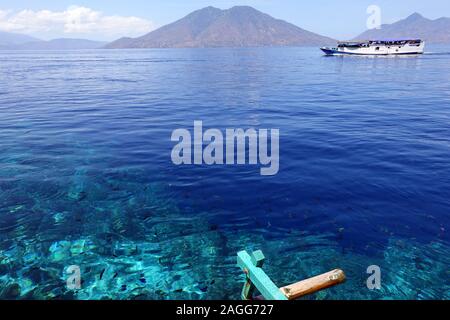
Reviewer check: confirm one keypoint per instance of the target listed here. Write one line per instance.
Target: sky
(111, 19)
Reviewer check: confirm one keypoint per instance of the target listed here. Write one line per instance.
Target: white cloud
(76, 20)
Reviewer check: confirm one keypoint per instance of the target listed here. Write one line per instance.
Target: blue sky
(109, 19)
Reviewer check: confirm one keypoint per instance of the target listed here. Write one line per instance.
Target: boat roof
(382, 40)
(398, 39)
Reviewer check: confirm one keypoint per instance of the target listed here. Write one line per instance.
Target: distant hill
(15, 41)
(8, 39)
(60, 44)
(415, 26)
(240, 26)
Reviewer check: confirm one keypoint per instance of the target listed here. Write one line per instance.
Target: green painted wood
(248, 290)
(258, 258)
(259, 279)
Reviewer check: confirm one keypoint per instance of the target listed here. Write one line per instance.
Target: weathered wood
(312, 285)
(257, 277)
(248, 290)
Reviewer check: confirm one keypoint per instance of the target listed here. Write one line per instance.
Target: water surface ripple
(86, 177)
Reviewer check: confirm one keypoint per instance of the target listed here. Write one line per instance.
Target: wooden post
(312, 285)
(256, 277)
(257, 258)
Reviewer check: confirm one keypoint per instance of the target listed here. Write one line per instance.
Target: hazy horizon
(105, 21)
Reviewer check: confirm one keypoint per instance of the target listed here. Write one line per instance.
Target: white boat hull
(378, 50)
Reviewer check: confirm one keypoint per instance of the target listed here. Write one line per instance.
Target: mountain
(240, 26)
(60, 44)
(11, 39)
(415, 26)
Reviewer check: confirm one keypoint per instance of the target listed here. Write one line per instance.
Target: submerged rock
(10, 292)
(59, 251)
(63, 250)
(81, 246)
(40, 275)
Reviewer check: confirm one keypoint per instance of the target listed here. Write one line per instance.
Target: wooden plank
(312, 285)
(258, 277)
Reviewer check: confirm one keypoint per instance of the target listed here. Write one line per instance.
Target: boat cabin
(369, 43)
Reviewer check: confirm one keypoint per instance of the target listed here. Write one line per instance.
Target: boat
(377, 47)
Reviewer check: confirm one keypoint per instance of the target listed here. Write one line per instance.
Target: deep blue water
(86, 176)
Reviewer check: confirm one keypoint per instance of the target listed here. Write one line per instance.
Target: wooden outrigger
(257, 279)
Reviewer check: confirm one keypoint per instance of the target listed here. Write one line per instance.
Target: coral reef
(132, 241)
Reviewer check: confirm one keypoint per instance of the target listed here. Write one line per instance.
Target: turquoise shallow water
(86, 177)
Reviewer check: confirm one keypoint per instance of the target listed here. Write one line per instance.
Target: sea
(93, 207)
